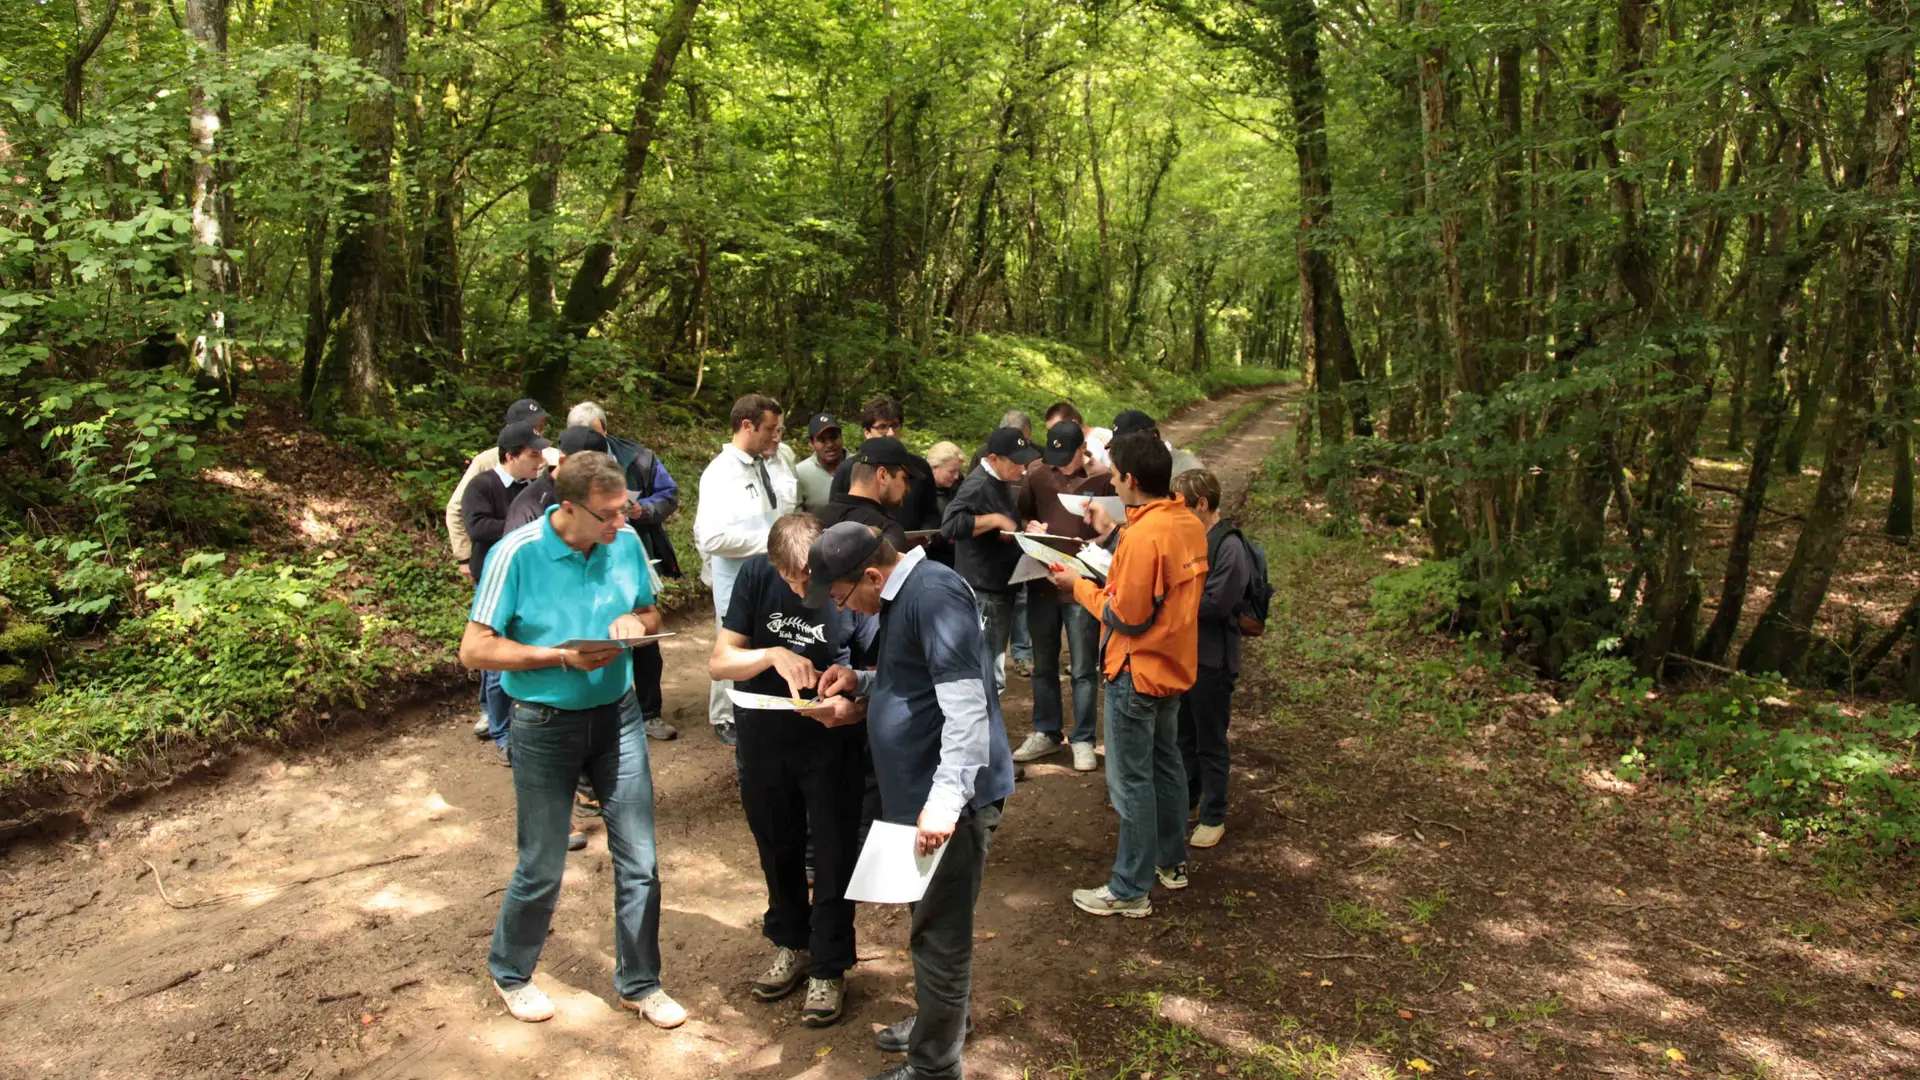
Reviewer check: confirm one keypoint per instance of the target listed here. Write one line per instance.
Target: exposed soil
(326, 913)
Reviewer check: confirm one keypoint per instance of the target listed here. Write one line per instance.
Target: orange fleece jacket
(1149, 611)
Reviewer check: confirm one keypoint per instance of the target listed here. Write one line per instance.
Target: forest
(1580, 290)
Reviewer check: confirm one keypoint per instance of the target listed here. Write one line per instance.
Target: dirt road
(325, 913)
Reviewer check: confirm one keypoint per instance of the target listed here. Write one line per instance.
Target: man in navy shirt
(940, 751)
(801, 781)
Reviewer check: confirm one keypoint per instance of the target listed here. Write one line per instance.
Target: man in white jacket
(743, 492)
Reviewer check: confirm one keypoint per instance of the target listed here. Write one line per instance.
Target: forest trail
(329, 908)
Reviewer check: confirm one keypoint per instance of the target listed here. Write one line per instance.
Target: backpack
(1259, 597)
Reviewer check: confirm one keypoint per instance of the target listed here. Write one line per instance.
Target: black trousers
(648, 666)
(796, 792)
(941, 939)
(1205, 711)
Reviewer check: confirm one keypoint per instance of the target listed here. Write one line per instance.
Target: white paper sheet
(1077, 504)
(1097, 557)
(770, 703)
(890, 870)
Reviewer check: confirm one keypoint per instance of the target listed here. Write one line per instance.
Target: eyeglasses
(601, 518)
(840, 600)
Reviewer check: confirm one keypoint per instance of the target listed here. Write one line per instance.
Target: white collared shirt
(736, 508)
(905, 566)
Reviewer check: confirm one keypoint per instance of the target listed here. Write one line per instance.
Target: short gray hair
(1014, 419)
(588, 472)
(586, 414)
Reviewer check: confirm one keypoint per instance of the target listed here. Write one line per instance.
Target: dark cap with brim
(580, 440)
(820, 423)
(1009, 443)
(525, 411)
(515, 436)
(1064, 440)
(890, 453)
(840, 550)
(1130, 421)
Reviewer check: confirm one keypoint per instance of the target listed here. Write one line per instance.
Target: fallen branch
(344, 995)
(1337, 956)
(160, 988)
(265, 890)
(1430, 821)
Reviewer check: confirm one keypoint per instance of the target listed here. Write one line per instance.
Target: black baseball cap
(514, 436)
(525, 411)
(840, 550)
(1130, 421)
(820, 423)
(893, 454)
(1064, 440)
(579, 440)
(1009, 443)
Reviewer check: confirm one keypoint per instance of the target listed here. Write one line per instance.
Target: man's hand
(1097, 519)
(931, 836)
(587, 659)
(838, 679)
(1062, 576)
(1036, 526)
(796, 669)
(838, 711)
(1004, 524)
(466, 571)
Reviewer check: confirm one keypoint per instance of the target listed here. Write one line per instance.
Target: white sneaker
(482, 729)
(1038, 745)
(1206, 835)
(1083, 759)
(1101, 901)
(660, 1010)
(526, 1002)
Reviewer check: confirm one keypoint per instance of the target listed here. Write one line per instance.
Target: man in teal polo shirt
(575, 573)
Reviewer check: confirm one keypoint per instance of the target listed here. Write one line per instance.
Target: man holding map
(801, 778)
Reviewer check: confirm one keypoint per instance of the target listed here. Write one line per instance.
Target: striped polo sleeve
(495, 600)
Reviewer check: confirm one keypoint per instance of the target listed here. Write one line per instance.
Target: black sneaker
(576, 840)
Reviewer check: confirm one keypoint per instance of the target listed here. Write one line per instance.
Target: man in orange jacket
(1149, 614)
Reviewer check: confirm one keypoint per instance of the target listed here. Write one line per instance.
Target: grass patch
(1229, 424)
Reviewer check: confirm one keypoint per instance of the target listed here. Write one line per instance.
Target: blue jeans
(1147, 784)
(551, 749)
(996, 615)
(1021, 643)
(1050, 616)
(496, 706)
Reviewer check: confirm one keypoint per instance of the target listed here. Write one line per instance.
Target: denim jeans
(1204, 713)
(996, 613)
(1147, 785)
(1049, 616)
(496, 706)
(1020, 642)
(551, 748)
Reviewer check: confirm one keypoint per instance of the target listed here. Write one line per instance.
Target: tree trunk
(1323, 317)
(592, 292)
(1103, 277)
(353, 375)
(1169, 149)
(543, 192)
(75, 88)
(1780, 641)
(212, 271)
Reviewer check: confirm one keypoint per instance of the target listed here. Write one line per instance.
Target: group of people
(884, 589)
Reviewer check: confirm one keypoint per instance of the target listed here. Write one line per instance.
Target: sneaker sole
(772, 993)
(1057, 747)
(634, 1007)
(820, 1020)
(1211, 843)
(1175, 885)
(1129, 913)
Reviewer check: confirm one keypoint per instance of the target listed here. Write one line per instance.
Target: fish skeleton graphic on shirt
(797, 631)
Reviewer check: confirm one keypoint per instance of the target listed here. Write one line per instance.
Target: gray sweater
(1221, 600)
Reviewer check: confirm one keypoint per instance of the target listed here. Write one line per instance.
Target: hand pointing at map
(796, 669)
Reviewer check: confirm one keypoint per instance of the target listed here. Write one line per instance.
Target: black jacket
(919, 510)
(532, 502)
(851, 507)
(659, 498)
(988, 560)
(483, 510)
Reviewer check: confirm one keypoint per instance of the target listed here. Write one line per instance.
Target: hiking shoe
(658, 728)
(584, 802)
(1023, 668)
(526, 1002)
(481, 729)
(660, 1010)
(1083, 759)
(1101, 901)
(502, 756)
(783, 977)
(1173, 877)
(1206, 835)
(576, 840)
(1038, 745)
(824, 998)
(893, 1038)
(724, 732)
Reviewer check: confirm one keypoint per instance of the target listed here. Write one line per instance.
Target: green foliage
(1426, 595)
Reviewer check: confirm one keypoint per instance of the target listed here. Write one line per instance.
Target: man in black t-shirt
(883, 473)
(801, 775)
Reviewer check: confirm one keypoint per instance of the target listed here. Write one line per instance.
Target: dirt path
(326, 913)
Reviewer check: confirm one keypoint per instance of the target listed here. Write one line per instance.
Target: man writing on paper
(941, 754)
(1062, 470)
(801, 781)
(1149, 612)
(576, 573)
(977, 519)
